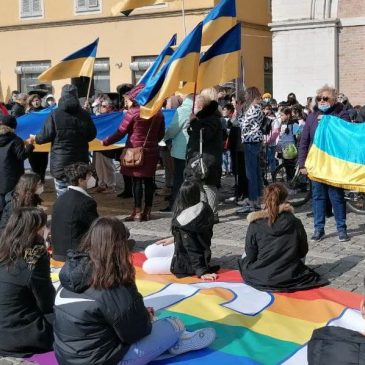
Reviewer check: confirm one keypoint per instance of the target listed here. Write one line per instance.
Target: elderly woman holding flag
(143, 134)
(326, 104)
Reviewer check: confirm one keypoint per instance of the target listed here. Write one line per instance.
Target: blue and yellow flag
(183, 65)
(127, 6)
(160, 61)
(337, 155)
(79, 63)
(219, 21)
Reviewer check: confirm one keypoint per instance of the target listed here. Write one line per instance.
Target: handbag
(197, 165)
(134, 156)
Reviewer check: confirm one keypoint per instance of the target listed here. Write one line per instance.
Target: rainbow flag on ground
(253, 327)
(337, 155)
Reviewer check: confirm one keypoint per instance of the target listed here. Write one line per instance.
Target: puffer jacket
(12, 156)
(193, 231)
(69, 129)
(95, 326)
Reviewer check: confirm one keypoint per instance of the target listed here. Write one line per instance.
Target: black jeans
(149, 189)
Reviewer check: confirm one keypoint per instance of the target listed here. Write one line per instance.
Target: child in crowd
(26, 194)
(192, 228)
(26, 291)
(74, 211)
(227, 113)
(276, 246)
(100, 317)
(12, 156)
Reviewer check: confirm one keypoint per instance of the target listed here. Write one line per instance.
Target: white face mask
(39, 190)
(91, 182)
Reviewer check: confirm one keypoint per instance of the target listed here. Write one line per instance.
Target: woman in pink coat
(137, 129)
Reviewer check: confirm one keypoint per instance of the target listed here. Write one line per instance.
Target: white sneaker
(191, 341)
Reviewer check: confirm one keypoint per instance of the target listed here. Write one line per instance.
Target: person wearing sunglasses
(326, 104)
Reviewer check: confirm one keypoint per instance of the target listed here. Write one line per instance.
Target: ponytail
(275, 195)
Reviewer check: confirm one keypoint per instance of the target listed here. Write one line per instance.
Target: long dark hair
(24, 193)
(111, 263)
(21, 233)
(274, 195)
(189, 195)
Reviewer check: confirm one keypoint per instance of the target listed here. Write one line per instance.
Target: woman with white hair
(326, 104)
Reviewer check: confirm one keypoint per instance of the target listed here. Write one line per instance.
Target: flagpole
(183, 14)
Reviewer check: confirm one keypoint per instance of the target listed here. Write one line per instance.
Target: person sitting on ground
(26, 290)
(26, 194)
(338, 346)
(192, 227)
(12, 156)
(100, 317)
(276, 246)
(74, 211)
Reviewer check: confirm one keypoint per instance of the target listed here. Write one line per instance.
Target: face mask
(91, 183)
(324, 108)
(39, 190)
(51, 103)
(266, 100)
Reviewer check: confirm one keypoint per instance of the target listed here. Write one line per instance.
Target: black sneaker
(318, 236)
(343, 237)
(166, 210)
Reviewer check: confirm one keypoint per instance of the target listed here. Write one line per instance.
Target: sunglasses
(324, 98)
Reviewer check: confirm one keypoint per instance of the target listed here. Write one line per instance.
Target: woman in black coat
(26, 291)
(276, 246)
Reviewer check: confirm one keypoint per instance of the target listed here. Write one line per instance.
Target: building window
(87, 6)
(28, 72)
(31, 8)
(102, 75)
(268, 74)
(139, 66)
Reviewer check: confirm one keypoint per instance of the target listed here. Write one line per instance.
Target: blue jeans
(163, 336)
(271, 160)
(61, 186)
(320, 192)
(226, 161)
(253, 171)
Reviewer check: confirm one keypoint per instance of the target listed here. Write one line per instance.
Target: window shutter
(81, 4)
(25, 7)
(37, 9)
(93, 3)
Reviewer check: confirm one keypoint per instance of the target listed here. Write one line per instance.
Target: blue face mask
(324, 108)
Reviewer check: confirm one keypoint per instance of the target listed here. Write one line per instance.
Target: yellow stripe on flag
(126, 5)
(213, 30)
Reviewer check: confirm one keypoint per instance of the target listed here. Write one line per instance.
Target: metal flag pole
(183, 14)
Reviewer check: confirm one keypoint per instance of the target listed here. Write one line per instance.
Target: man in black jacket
(69, 129)
(73, 211)
(12, 156)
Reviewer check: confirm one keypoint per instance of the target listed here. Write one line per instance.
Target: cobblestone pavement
(342, 263)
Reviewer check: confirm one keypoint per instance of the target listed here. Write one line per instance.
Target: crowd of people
(98, 315)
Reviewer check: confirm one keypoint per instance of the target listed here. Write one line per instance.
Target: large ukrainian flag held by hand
(219, 20)
(79, 63)
(182, 66)
(337, 155)
(160, 61)
(127, 6)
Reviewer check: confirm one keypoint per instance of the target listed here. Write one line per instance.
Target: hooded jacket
(12, 156)
(95, 326)
(193, 231)
(69, 129)
(274, 253)
(336, 346)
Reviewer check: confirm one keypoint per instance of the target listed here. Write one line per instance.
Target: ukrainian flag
(337, 155)
(79, 63)
(219, 20)
(160, 61)
(183, 65)
(127, 6)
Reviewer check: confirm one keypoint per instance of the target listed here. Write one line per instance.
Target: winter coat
(12, 156)
(274, 254)
(251, 124)
(336, 346)
(26, 299)
(73, 213)
(17, 110)
(311, 124)
(95, 326)
(69, 129)
(193, 231)
(177, 130)
(209, 120)
(137, 130)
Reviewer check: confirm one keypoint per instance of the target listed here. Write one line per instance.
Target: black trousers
(127, 184)
(149, 189)
(38, 162)
(239, 170)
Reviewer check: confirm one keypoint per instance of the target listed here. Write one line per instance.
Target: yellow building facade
(36, 34)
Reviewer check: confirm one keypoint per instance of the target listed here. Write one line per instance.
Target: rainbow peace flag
(253, 327)
(337, 155)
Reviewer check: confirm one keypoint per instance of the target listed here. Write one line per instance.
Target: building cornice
(353, 22)
(116, 19)
(298, 24)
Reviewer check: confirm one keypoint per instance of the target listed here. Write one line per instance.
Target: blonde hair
(210, 93)
(329, 89)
